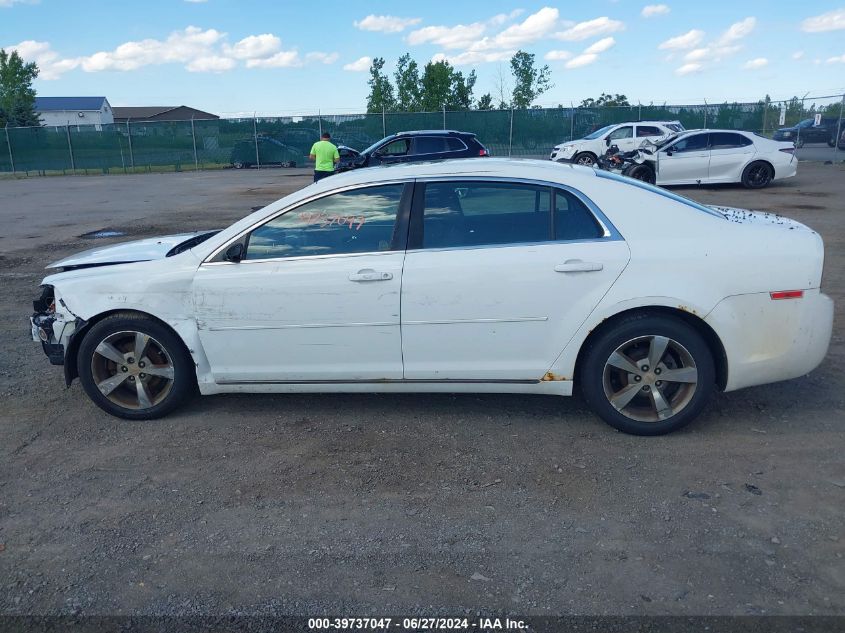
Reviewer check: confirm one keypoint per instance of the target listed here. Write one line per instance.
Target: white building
(74, 111)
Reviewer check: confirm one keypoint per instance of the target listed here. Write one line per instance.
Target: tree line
(440, 85)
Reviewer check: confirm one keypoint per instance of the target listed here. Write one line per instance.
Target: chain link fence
(263, 141)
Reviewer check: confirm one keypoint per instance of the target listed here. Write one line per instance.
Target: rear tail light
(788, 150)
(786, 294)
(483, 152)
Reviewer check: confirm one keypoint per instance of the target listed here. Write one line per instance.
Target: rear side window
(482, 213)
(430, 144)
(455, 144)
(573, 221)
(728, 140)
(358, 221)
(648, 130)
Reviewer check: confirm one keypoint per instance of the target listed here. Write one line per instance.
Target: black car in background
(418, 145)
(270, 151)
(806, 132)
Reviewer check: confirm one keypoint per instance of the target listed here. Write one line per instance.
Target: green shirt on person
(325, 153)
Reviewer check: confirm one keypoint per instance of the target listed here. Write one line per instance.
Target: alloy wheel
(132, 369)
(759, 175)
(650, 378)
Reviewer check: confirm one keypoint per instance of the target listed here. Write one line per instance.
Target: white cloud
(601, 46)
(385, 23)
(458, 36)
(830, 21)
(835, 60)
(362, 64)
(737, 31)
(754, 64)
(557, 55)
(282, 59)
(322, 58)
(502, 18)
(651, 10)
(690, 39)
(585, 59)
(688, 69)
(211, 64)
(255, 46)
(50, 63)
(697, 54)
(473, 57)
(5, 4)
(534, 27)
(590, 28)
(797, 54)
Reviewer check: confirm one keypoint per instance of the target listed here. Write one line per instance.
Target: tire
(241, 165)
(637, 411)
(588, 159)
(108, 352)
(757, 175)
(643, 173)
(831, 142)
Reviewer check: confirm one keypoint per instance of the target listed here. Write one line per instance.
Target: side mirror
(607, 141)
(235, 253)
(668, 152)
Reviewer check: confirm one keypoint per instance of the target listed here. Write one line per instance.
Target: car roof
(457, 168)
(432, 133)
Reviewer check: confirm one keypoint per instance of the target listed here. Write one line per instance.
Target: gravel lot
(354, 504)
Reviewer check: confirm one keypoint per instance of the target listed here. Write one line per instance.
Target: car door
(495, 283)
(623, 138)
(684, 161)
(729, 154)
(315, 296)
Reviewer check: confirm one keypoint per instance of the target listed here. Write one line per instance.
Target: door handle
(368, 274)
(578, 266)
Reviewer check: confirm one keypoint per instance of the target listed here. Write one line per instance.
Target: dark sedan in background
(418, 145)
(807, 132)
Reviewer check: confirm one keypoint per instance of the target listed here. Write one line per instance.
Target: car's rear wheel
(588, 159)
(134, 367)
(643, 173)
(648, 374)
(757, 175)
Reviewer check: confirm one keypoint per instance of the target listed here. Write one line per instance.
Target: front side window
(728, 140)
(358, 221)
(399, 147)
(622, 132)
(694, 143)
(483, 213)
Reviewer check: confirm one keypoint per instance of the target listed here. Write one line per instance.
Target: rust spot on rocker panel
(552, 377)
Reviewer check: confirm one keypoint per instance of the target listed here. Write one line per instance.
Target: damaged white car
(458, 276)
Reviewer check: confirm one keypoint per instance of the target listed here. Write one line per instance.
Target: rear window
(661, 192)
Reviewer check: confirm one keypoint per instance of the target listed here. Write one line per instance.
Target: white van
(626, 136)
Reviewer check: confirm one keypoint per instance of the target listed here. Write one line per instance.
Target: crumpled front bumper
(42, 331)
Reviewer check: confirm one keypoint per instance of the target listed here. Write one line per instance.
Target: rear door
(729, 154)
(498, 277)
(687, 160)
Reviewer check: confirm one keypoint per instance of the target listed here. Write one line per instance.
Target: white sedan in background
(459, 276)
(719, 156)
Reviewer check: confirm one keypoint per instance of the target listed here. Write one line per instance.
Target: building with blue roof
(74, 111)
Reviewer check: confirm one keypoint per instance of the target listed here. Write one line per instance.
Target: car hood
(746, 216)
(135, 251)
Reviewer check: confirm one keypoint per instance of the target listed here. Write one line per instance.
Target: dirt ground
(434, 504)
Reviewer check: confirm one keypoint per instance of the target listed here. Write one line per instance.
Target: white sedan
(719, 156)
(459, 276)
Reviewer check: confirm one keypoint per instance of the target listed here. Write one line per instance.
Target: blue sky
(229, 56)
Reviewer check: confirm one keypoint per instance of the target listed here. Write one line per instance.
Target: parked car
(626, 136)
(500, 275)
(807, 132)
(715, 156)
(420, 145)
(347, 158)
(841, 143)
(271, 151)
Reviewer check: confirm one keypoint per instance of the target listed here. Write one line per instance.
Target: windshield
(599, 133)
(807, 123)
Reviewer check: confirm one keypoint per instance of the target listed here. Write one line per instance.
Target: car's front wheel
(588, 159)
(134, 367)
(643, 173)
(648, 374)
(757, 175)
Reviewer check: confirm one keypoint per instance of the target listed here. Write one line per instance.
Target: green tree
(381, 90)
(407, 80)
(605, 100)
(485, 102)
(462, 88)
(436, 85)
(529, 81)
(17, 97)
